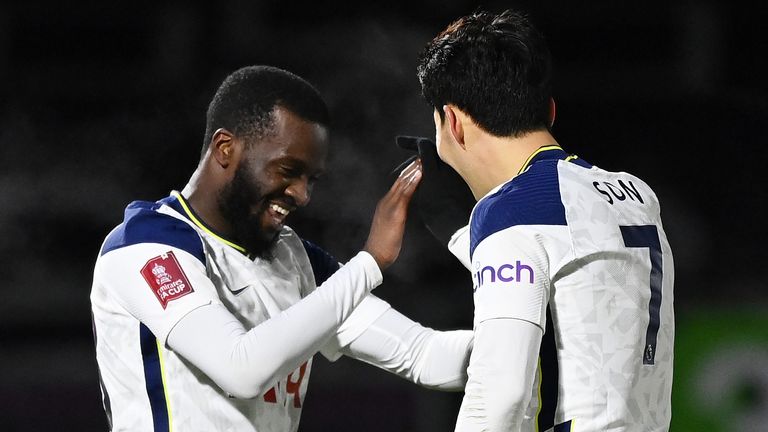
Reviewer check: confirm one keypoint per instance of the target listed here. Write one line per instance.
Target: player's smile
(275, 214)
(273, 178)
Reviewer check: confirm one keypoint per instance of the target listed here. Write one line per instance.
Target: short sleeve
(153, 265)
(155, 283)
(510, 277)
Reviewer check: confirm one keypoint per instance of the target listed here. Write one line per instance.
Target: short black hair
(245, 102)
(494, 67)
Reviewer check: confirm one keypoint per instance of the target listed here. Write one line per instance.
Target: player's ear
(223, 147)
(454, 123)
(552, 111)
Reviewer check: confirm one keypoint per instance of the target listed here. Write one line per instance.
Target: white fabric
(510, 277)
(434, 359)
(368, 311)
(598, 287)
(501, 374)
(458, 245)
(218, 344)
(135, 368)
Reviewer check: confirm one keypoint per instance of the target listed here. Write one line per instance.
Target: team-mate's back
(612, 304)
(589, 244)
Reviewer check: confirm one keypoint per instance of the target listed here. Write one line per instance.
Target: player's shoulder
(145, 222)
(531, 198)
(323, 263)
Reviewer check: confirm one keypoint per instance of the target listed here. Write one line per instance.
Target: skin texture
(484, 160)
(240, 178)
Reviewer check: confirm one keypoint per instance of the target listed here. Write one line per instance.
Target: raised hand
(386, 236)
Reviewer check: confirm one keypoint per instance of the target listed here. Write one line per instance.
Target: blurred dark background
(102, 104)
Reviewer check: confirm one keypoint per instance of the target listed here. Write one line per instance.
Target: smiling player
(208, 308)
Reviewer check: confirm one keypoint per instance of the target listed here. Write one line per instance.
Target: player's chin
(271, 224)
(261, 242)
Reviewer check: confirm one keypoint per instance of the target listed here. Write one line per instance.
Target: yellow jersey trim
(165, 384)
(202, 226)
(538, 393)
(533, 155)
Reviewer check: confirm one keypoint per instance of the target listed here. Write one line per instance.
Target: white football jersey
(581, 252)
(163, 262)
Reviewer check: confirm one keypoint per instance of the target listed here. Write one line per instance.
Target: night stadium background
(102, 104)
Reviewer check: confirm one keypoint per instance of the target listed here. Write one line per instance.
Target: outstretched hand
(386, 236)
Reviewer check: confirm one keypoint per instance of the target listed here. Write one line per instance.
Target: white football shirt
(163, 262)
(581, 253)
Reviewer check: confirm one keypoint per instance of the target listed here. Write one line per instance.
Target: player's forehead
(296, 140)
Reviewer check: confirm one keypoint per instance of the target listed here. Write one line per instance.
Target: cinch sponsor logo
(505, 273)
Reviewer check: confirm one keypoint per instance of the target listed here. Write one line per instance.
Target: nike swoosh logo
(236, 292)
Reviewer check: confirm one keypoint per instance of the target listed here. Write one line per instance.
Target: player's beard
(235, 203)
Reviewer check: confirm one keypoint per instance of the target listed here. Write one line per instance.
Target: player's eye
(288, 171)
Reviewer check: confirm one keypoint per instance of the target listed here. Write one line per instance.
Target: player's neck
(496, 160)
(201, 194)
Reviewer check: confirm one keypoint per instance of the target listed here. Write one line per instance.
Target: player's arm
(246, 362)
(395, 343)
(377, 334)
(501, 374)
(511, 290)
(190, 319)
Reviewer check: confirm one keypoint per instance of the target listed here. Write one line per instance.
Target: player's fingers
(410, 185)
(407, 182)
(411, 167)
(405, 177)
(411, 173)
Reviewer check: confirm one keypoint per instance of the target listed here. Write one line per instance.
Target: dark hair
(494, 67)
(246, 99)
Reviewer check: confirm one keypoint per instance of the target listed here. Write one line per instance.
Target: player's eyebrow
(300, 165)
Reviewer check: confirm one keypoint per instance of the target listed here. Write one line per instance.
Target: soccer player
(207, 308)
(563, 254)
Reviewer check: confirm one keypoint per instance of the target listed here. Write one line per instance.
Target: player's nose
(300, 191)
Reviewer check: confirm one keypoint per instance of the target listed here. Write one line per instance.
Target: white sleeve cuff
(370, 267)
(458, 245)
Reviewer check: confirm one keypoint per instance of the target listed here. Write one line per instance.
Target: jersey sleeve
(501, 376)
(430, 358)
(458, 245)
(371, 308)
(246, 363)
(153, 266)
(366, 313)
(510, 276)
